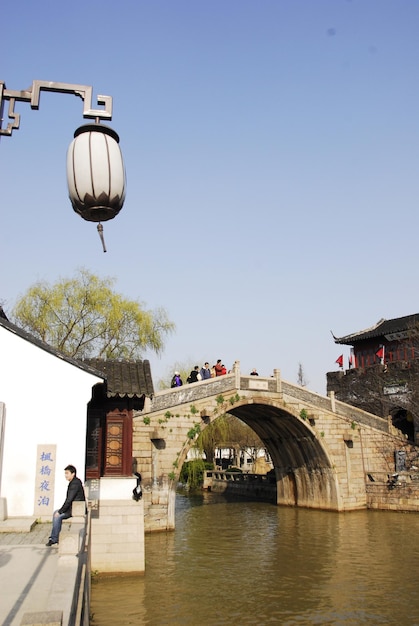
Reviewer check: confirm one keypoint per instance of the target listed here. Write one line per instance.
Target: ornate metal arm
(32, 95)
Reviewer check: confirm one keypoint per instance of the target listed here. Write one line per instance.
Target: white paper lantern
(95, 173)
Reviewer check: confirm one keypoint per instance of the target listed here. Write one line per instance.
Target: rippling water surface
(254, 563)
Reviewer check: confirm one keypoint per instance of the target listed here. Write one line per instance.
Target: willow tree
(84, 317)
(213, 436)
(228, 431)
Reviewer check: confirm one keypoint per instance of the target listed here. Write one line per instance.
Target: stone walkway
(38, 535)
(28, 570)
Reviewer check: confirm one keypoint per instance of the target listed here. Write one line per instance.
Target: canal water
(239, 562)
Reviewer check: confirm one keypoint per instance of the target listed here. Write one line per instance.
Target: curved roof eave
(384, 328)
(360, 334)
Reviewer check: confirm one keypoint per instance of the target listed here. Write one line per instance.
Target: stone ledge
(17, 525)
(70, 541)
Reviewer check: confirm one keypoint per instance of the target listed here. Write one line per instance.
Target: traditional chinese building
(43, 401)
(383, 372)
(117, 518)
(56, 410)
(109, 415)
(48, 395)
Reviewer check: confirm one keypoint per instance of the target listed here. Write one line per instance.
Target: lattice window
(118, 444)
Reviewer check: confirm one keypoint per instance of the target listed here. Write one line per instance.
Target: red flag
(380, 353)
(351, 360)
(339, 361)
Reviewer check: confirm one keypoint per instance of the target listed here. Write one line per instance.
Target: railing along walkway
(70, 607)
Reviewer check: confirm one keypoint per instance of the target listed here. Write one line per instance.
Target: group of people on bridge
(206, 372)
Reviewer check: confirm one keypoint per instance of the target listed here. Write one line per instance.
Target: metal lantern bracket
(32, 95)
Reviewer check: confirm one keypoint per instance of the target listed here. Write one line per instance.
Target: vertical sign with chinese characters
(45, 480)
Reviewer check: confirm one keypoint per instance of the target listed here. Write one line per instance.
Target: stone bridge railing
(170, 398)
(331, 404)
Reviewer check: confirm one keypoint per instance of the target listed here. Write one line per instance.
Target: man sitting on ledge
(75, 492)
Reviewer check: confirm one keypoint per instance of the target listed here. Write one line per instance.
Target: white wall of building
(46, 404)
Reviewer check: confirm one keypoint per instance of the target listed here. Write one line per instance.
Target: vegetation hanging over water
(225, 432)
(192, 473)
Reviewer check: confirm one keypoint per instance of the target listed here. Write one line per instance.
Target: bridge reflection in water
(237, 562)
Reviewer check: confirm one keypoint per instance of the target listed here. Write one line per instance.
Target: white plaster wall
(117, 488)
(46, 403)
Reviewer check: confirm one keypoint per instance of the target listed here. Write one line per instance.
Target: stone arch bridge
(324, 452)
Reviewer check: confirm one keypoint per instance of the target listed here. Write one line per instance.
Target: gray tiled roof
(380, 329)
(130, 379)
(3, 314)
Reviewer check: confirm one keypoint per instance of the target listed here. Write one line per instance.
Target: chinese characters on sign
(45, 480)
(258, 384)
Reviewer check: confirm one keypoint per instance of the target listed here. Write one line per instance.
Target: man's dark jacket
(75, 491)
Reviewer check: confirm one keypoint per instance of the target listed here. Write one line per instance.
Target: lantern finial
(100, 231)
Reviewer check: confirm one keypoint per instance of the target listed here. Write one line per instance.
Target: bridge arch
(303, 470)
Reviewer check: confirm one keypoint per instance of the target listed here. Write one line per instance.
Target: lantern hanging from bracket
(96, 174)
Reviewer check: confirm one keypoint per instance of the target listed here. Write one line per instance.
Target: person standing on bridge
(218, 368)
(75, 493)
(176, 380)
(205, 371)
(194, 376)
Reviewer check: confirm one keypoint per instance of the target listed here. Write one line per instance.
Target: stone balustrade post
(277, 376)
(147, 405)
(236, 370)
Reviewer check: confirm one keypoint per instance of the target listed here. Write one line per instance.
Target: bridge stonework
(324, 452)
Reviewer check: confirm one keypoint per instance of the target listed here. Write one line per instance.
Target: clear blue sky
(272, 158)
